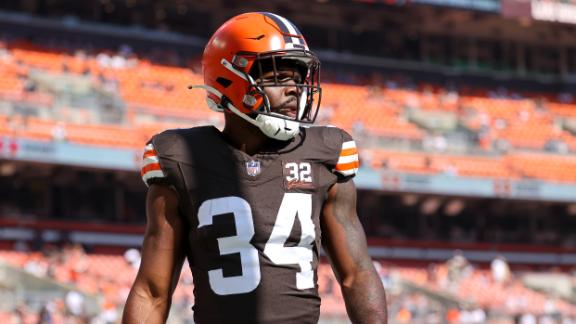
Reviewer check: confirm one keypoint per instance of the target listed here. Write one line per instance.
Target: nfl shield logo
(253, 168)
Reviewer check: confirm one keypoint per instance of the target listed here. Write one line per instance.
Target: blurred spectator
(104, 59)
(132, 257)
(516, 302)
(449, 169)
(432, 273)
(568, 320)
(556, 146)
(45, 316)
(76, 261)
(36, 265)
(458, 269)
(527, 318)
(500, 270)
(108, 315)
(17, 315)
(478, 315)
(384, 274)
(550, 307)
(4, 52)
(502, 145)
(472, 316)
(74, 301)
(435, 143)
(59, 132)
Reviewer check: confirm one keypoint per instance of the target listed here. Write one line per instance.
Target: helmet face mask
(277, 66)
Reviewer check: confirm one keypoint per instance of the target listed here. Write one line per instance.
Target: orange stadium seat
(40, 60)
(401, 161)
(562, 109)
(532, 136)
(38, 129)
(472, 166)
(549, 167)
(393, 127)
(104, 135)
(11, 87)
(425, 163)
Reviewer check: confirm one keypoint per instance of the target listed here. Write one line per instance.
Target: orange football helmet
(236, 51)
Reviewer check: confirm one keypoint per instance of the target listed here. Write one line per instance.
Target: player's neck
(244, 136)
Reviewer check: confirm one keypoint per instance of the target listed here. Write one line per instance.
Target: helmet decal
(292, 36)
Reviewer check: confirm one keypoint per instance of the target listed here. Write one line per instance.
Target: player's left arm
(344, 241)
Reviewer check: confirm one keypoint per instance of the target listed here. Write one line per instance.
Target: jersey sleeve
(342, 153)
(162, 157)
(151, 170)
(348, 163)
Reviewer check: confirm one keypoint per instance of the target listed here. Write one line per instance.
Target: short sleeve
(348, 163)
(151, 171)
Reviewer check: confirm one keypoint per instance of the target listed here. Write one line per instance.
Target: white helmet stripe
(283, 28)
(286, 25)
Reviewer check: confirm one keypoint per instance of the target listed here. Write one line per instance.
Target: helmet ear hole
(224, 82)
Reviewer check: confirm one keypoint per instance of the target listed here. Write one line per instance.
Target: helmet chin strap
(276, 128)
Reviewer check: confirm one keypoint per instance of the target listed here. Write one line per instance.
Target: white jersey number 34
(293, 205)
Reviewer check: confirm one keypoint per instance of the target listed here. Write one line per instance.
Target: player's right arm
(162, 259)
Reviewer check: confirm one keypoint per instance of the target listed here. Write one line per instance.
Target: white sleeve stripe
(348, 172)
(149, 147)
(153, 174)
(150, 160)
(348, 159)
(348, 145)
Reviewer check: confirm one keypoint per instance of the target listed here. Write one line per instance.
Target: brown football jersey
(253, 221)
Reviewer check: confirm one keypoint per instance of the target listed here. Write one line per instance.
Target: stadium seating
(110, 276)
(160, 92)
(479, 288)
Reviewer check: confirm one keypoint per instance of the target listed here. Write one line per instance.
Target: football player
(251, 206)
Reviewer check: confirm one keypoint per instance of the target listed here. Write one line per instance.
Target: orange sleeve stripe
(150, 167)
(348, 151)
(347, 166)
(150, 153)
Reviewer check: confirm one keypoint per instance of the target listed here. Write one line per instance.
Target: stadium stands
(525, 126)
(110, 277)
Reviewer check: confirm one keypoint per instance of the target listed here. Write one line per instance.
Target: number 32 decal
(293, 205)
